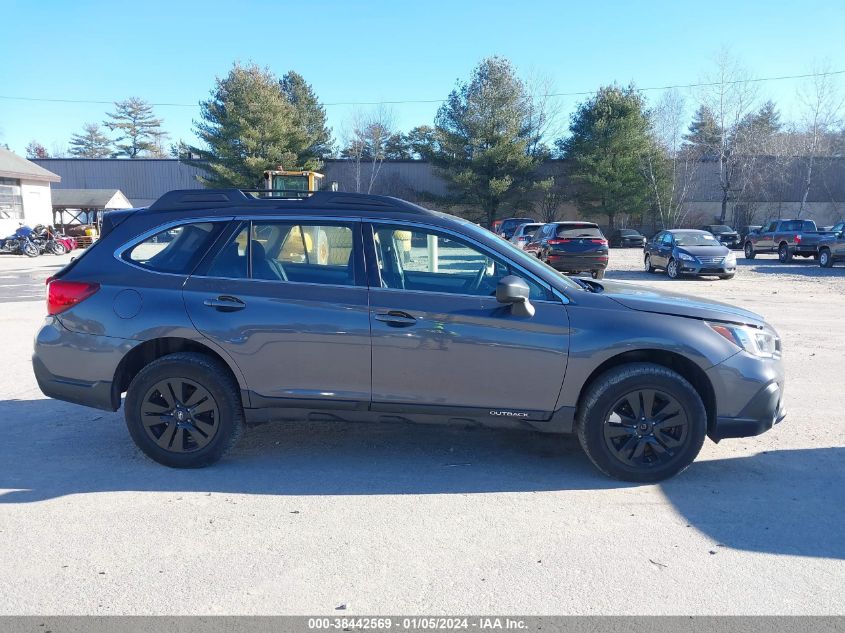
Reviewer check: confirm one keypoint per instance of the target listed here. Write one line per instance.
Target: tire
(647, 264)
(31, 250)
(825, 258)
(784, 256)
(749, 251)
(731, 276)
(218, 422)
(597, 274)
(56, 248)
(672, 269)
(622, 444)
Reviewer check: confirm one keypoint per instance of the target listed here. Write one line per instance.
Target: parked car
(832, 246)
(689, 252)
(509, 225)
(725, 234)
(571, 247)
(745, 231)
(787, 238)
(627, 238)
(522, 235)
(217, 327)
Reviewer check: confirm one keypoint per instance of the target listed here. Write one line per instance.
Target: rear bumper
(804, 249)
(577, 262)
(78, 367)
(96, 394)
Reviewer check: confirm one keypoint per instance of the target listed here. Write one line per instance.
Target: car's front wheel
(673, 269)
(184, 410)
(641, 422)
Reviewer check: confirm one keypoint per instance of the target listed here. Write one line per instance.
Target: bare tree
(550, 198)
(670, 172)
(821, 106)
(730, 96)
(366, 143)
(543, 113)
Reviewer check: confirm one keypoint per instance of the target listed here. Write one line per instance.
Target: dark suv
(571, 247)
(212, 309)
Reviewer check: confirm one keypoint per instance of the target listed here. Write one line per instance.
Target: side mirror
(515, 291)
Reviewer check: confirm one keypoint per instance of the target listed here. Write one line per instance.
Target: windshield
(695, 239)
(628, 233)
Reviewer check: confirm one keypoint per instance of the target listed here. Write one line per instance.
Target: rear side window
(175, 250)
(289, 252)
(579, 231)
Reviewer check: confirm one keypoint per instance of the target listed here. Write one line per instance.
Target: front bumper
(699, 268)
(749, 396)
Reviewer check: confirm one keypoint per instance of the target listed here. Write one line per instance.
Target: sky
(171, 52)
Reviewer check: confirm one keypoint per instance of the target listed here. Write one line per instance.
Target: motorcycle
(49, 240)
(21, 243)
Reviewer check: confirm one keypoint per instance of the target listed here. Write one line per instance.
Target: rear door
(443, 345)
(288, 301)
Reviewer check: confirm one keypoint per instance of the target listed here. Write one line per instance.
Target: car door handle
(225, 303)
(396, 318)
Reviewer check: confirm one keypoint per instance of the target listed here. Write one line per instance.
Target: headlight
(762, 343)
(730, 260)
(686, 257)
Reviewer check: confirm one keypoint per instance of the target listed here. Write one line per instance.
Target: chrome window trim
(484, 248)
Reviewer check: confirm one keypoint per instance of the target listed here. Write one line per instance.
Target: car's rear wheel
(597, 274)
(825, 258)
(641, 422)
(647, 264)
(673, 269)
(749, 251)
(729, 276)
(184, 410)
(784, 256)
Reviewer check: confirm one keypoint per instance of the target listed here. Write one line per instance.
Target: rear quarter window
(174, 250)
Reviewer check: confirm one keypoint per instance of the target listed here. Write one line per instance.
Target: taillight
(560, 240)
(798, 238)
(602, 242)
(62, 295)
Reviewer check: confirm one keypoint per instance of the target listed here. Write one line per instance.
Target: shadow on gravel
(781, 502)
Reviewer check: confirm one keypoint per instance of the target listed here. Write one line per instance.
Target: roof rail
(209, 199)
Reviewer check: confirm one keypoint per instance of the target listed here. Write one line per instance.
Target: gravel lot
(340, 519)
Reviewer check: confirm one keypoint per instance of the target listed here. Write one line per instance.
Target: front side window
(425, 260)
(175, 250)
(320, 253)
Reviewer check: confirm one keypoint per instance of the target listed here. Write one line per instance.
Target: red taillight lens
(798, 238)
(603, 242)
(62, 295)
(560, 240)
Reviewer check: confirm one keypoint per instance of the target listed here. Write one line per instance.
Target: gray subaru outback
(211, 309)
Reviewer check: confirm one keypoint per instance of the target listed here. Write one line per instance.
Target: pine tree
(137, 126)
(704, 134)
(91, 143)
(609, 144)
(483, 134)
(310, 118)
(247, 126)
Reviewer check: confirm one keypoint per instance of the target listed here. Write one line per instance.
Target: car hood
(676, 304)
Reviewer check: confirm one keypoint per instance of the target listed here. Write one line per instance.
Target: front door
(287, 300)
(442, 344)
